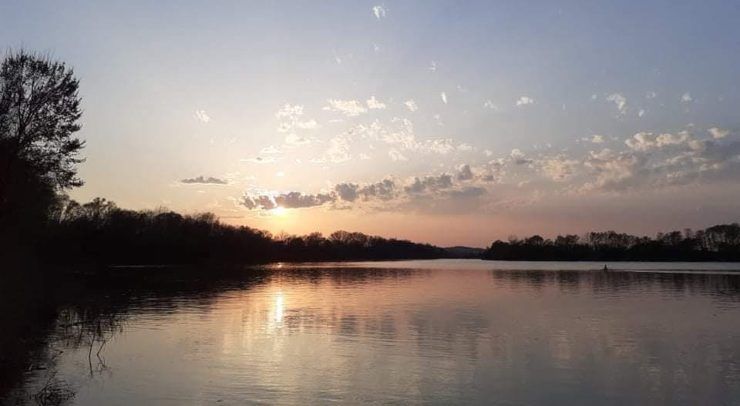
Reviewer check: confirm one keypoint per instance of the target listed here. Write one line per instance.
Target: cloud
(373, 103)
(350, 108)
(524, 101)
(641, 113)
(396, 155)
(419, 192)
(350, 192)
(296, 200)
(270, 150)
(411, 105)
(718, 133)
(338, 149)
(384, 190)
(651, 95)
(644, 141)
(204, 180)
(467, 192)
(686, 98)
(443, 95)
(619, 100)
(202, 116)
(518, 157)
(488, 104)
(433, 66)
(379, 12)
(597, 139)
(441, 146)
(260, 160)
(464, 147)
(464, 172)
(559, 168)
(291, 122)
(347, 191)
(429, 183)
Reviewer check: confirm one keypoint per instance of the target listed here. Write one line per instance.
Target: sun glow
(279, 211)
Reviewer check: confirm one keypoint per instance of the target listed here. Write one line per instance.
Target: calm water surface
(442, 332)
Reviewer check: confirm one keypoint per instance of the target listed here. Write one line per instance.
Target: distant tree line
(717, 243)
(99, 232)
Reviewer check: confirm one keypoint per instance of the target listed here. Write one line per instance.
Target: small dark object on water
(605, 268)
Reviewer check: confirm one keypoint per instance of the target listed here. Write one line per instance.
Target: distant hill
(464, 252)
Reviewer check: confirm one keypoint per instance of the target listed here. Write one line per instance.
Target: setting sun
(279, 211)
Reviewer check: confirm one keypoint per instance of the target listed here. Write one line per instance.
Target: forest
(716, 243)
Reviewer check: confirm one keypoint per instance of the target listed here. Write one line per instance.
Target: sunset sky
(437, 121)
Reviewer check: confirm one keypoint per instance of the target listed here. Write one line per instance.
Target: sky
(437, 121)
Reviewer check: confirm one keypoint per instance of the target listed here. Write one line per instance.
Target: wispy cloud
(524, 101)
(619, 100)
(718, 133)
(350, 108)
(270, 150)
(202, 116)
(291, 122)
(375, 104)
(490, 105)
(379, 12)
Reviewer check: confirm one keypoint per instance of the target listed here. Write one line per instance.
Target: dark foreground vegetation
(101, 233)
(717, 243)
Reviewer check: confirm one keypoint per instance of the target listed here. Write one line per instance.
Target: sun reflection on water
(279, 309)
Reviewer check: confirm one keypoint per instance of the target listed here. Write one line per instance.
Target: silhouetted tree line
(101, 233)
(717, 243)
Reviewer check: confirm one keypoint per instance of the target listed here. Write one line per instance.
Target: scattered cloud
(350, 108)
(379, 12)
(202, 116)
(619, 100)
(464, 172)
(411, 105)
(524, 101)
(443, 95)
(429, 183)
(559, 168)
(441, 146)
(374, 104)
(270, 150)
(204, 180)
(686, 98)
(644, 141)
(718, 133)
(396, 155)
(488, 104)
(291, 121)
(433, 66)
(518, 157)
